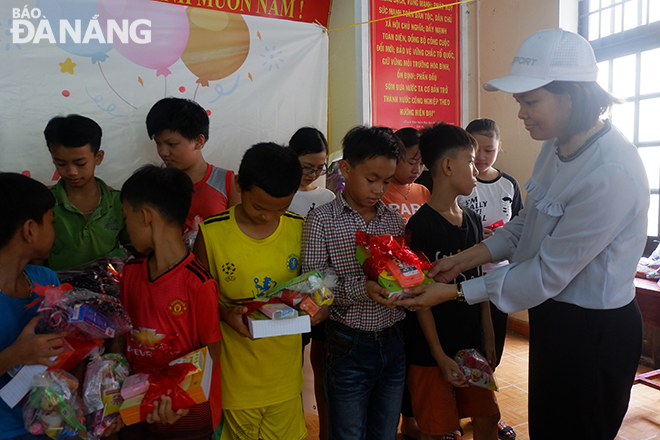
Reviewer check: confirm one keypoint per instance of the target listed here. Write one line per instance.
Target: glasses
(307, 171)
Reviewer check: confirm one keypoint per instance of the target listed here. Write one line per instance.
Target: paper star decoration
(67, 66)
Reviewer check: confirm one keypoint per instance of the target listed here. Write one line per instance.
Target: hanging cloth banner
(258, 79)
(310, 11)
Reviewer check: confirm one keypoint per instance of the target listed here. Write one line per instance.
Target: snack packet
(104, 378)
(53, 407)
(476, 369)
(318, 286)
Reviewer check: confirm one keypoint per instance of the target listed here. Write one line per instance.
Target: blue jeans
(363, 382)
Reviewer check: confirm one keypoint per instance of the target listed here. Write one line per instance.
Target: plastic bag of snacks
(101, 276)
(334, 180)
(53, 407)
(318, 286)
(475, 368)
(190, 236)
(88, 314)
(306, 293)
(388, 261)
(102, 392)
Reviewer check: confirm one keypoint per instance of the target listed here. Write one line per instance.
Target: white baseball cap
(546, 56)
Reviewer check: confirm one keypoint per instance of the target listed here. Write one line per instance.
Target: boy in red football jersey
(169, 296)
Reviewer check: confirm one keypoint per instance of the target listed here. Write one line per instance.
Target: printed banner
(415, 64)
(259, 79)
(312, 11)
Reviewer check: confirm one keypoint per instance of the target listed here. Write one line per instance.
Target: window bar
(638, 87)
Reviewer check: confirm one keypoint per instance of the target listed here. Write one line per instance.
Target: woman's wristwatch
(459, 293)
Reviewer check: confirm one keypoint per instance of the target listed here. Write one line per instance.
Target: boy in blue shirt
(365, 360)
(26, 234)
(88, 220)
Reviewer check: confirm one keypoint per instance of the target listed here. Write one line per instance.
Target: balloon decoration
(72, 10)
(169, 31)
(218, 45)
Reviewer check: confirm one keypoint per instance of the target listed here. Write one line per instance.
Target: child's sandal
(504, 431)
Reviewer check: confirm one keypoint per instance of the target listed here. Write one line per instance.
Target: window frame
(644, 37)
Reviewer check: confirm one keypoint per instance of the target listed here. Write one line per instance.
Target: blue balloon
(72, 10)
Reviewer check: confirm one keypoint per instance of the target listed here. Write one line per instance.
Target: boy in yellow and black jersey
(249, 249)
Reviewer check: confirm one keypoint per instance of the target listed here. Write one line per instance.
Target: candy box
(279, 311)
(261, 326)
(300, 301)
(134, 385)
(91, 322)
(186, 380)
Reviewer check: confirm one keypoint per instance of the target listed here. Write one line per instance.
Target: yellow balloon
(218, 45)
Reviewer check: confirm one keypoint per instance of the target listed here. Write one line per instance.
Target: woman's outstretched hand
(445, 270)
(427, 296)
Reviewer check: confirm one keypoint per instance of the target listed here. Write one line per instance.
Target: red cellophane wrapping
(185, 382)
(166, 383)
(383, 249)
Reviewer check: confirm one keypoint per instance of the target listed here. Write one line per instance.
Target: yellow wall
(502, 26)
(345, 76)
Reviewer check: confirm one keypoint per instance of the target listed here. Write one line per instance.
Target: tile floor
(642, 421)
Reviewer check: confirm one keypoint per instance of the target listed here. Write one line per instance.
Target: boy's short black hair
(271, 167)
(362, 143)
(408, 136)
(22, 199)
(73, 131)
(442, 140)
(308, 140)
(184, 116)
(168, 190)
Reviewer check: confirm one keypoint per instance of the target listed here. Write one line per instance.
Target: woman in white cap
(573, 249)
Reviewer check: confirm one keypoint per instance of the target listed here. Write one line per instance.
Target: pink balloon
(169, 31)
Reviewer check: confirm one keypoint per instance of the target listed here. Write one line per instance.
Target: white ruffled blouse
(580, 235)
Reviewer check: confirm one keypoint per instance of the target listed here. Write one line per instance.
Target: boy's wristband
(460, 297)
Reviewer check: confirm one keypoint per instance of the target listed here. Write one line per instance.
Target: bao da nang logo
(77, 31)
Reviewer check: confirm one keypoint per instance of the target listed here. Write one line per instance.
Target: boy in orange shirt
(403, 195)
